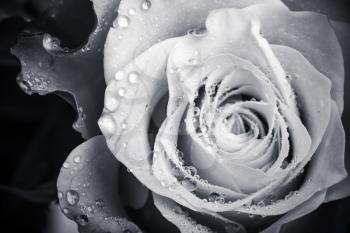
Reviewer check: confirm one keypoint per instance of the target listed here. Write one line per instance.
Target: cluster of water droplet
(123, 21)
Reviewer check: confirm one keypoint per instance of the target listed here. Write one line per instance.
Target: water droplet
(82, 220)
(179, 154)
(66, 165)
(146, 5)
(148, 108)
(121, 92)
(111, 103)
(119, 75)
(232, 227)
(77, 159)
(65, 210)
(122, 21)
(204, 128)
(107, 124)
(189, 184)
(134, 77)
(132, 11)
(192, 171)
(216, 197)
(60, 195)
(196, 111)
(72, 197)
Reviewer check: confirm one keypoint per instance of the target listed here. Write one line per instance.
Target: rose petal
(48, 68)
(301, 31)
(166, 19)
(342, 189)
(88, 189)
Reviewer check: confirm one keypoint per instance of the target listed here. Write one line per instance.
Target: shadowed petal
(88, 189)
(76, 74)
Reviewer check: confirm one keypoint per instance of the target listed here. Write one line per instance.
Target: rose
(74, 199)
(250, 109)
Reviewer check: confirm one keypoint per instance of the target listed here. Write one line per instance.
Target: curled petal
(48, 68)
(88, 189)
(166, 18)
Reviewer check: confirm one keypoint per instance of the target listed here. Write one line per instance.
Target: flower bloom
(230, 109)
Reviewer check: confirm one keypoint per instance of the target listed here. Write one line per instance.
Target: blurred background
(37, 134)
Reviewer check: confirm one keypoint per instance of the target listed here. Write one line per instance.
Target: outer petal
(164, 19)
(301, 31)
(47, 68)
(88, 189)
(342, 189)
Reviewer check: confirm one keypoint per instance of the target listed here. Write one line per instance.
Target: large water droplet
(134, 77)
(216, 197)
(122, 21)
(107, 124)
(146, 5)
(189, 184)
(82, 220)
(111, 103)
(72, 197)
(119, 75)
(60, 195)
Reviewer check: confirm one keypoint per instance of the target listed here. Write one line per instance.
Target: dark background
(36, 133)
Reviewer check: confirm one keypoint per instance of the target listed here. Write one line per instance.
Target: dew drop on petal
(119, 75)
(189, 184)
(77, 159)
(65, 210)
(148, 108)
(111, 103)
(196, 111)
(134, 77)
(192, 171)
(122, 21)
(82, 220)
(146, 5)
(66, 165)
(216, 197)
(60, 195)
(72, 197)
(132, 11)
(121, 92)
(107, 124)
